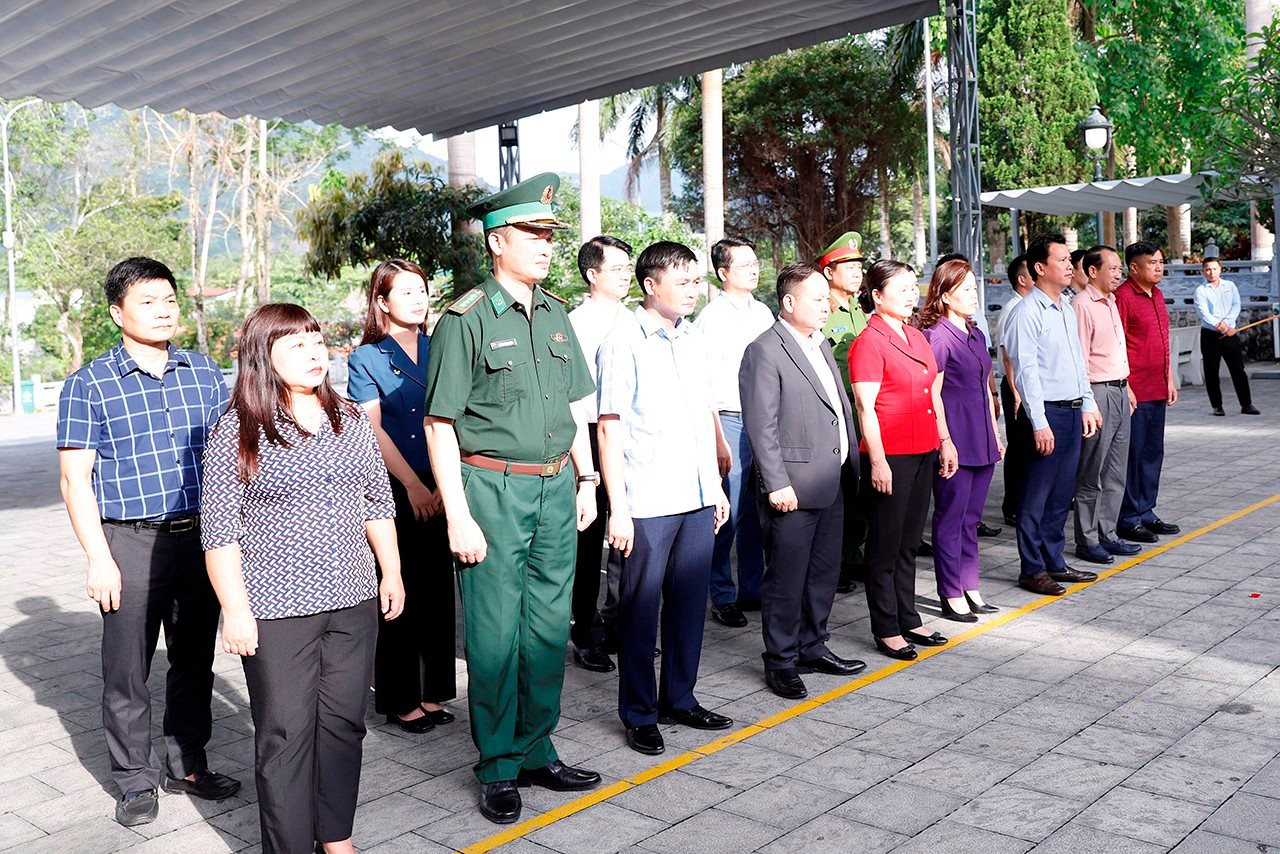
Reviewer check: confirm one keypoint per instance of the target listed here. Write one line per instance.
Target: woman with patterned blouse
(295, 494)
(414, 669)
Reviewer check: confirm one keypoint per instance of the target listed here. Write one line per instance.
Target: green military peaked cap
(526, 203)
(847, 247)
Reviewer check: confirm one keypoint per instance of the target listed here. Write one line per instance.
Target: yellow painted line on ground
(791, 712)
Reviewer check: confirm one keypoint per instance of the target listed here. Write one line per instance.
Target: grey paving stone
(411, 843)
(848, 770)
(1039, 666)
(193, 837)
(1146, 816)
(462, 829)
(743, 765)
(1166, 648)
(1009, 743)
(951, 837)
(675, 796)
(1013, 811)
(831, 833)
(1224, 748)
(903, 739)
(859, 711)
(392, 815)
(15, 833)
(1204, 842)
(713, 832)
(1193, 781)
(604, 827)
(804, 736)
(1116, 746)
(1082, 688)
(953, 713)
(907, 687)
(1077, 838)
(1008, 691)
(89, 835)
(1070, 776)
(1247, 816)
(1149, 717)
(955, 770)
(784, 802)
(900, 807)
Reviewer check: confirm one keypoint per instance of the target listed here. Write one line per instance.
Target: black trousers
(802, 566)
(162, 583)
(308, 689)
(588, 628)
(1215, 348)
(416, 659)
(896, 525)
(1018, 453)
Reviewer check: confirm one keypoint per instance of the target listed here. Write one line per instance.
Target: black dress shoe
(1041, 583)
(500, 802)
(207, 784)
(748, 604)
(1249, 410)
(985, 530)
(440, 716)
(417, 726)
(1094, 554)
(1136, 534)
(138, 808)
(1116, 547)
(1158, 527)
(1067, 575)
(1011, 521)
(697, 717)
(952, 614)
(594, 659)
(558, 777)
(1217, 410)
(728, 615)
(846, 584)
(934, 639)
(786, 683)
(984, 608)
(907, 653)
(925, 549)
(645, 739)
(831, 664)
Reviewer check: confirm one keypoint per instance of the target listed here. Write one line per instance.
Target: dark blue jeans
(743, 524)
(1146, 458)
(1046, 498)
(667, 571)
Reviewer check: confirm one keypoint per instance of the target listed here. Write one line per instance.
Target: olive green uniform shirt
(506, 380)
(843, 325)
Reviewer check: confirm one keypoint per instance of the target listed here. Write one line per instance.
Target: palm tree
(648, 114)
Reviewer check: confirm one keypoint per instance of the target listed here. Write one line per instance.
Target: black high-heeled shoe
(952, 614)
(417, 726)
(907, 653)
(980, 608)
(438, 717)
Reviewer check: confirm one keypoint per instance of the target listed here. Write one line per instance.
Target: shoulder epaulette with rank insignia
(467, 301)
(555, 297)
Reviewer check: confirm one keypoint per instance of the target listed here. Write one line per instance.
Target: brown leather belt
(550, 469)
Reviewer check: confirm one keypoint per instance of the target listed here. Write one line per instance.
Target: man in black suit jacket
(800, 426)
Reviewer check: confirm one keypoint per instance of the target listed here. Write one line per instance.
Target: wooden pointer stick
(1251, 325)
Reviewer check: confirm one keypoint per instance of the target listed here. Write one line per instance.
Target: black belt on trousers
(1113, 383)
(168, 526)
(1066, 404)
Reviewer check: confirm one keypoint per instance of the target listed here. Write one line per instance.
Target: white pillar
(713, 155)
(462, 159)
(1130, 226)
(588, 170)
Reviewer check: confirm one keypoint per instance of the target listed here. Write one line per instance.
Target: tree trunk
(194, 182)
(247, 239)
(462, 173)
(1130, 226)
(886, 235)
(588, 170)
(664, 156)
(997, 243)
(917, 219)
(1257, 14)
(262, 223)
(1072, 237)
(713, 155)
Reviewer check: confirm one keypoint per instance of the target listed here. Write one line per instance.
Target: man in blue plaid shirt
(132, 426)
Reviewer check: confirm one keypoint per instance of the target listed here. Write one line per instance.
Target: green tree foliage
(1246, 131)
(404, 210)
(804, 135)
(1033, 93)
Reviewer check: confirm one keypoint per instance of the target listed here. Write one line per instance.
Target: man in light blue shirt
(1218, 304)
(1049, 375)
(658, 436)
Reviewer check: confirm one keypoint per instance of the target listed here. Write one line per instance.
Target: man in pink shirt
(1104, 455)
(1140, 303)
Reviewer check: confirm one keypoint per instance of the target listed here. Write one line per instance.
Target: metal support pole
(1015, 233)
(10, 243)
(1097, 176)
(928, 123)
(1275, 275)
(508, 155)
(966, 167)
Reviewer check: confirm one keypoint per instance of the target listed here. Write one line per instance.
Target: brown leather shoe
(1072, 576)
(1041, 583)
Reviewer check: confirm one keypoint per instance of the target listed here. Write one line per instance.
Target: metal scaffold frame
(508, 155)
(966, 165)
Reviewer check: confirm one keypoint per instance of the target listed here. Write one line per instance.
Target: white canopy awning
(1151, 191)
(438, 66)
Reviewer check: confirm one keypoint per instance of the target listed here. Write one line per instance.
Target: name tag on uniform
(502, 345)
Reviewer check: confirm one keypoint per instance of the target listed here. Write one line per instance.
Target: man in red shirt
(1141, 305)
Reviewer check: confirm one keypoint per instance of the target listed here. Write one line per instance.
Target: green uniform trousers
(516, 604)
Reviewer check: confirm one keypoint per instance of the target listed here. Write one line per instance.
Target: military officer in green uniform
(841, 263)
(503, 369)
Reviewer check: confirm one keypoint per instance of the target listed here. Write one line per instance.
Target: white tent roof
(1116, 195)
(439, 66)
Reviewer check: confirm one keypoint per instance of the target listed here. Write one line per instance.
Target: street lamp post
(10, 243)
(1095, 131)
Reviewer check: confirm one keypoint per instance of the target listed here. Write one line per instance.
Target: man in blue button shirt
(131, 435)
(1218, 305)
(1049, 374)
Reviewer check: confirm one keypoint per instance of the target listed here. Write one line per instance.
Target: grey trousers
(163, 583)
(1104, 458)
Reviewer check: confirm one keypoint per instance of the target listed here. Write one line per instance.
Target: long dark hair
(261, 399)
(946, 278)
(877, 277)
(377, 325)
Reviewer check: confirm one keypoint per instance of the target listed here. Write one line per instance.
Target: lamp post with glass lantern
(1095, 132)
(10, 243)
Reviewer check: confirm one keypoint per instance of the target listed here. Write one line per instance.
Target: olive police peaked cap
(848, 247)
(527, 203)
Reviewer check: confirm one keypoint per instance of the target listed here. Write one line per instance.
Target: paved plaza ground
(1137, 714)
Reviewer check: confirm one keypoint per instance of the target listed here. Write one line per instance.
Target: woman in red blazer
(898, 394)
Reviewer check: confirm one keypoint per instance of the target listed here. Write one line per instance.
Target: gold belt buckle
(551, 469)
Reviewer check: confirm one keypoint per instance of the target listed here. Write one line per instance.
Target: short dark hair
(1213, 260)
(1141, 249)
(1093, 257)
(951, 256)
(1077, 255)
(790, 277)
(1038, 251)
(879, 275)
(1016, 266)
(591, 253)
(137, 269)
(661, 256)
(722, 252)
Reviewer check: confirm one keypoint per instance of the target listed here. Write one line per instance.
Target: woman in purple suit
(965, 368)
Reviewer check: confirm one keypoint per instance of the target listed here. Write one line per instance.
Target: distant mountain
(613, 185)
